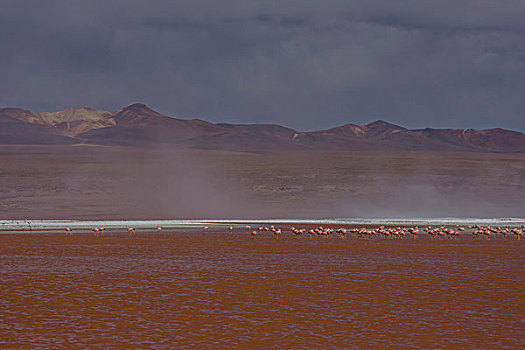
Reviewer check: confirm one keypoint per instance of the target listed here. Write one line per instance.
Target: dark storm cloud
(305, 64)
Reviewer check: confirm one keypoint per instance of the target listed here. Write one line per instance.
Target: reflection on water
(218, 290)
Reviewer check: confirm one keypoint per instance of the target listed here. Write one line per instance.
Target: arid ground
(82, 182)
(213, 289)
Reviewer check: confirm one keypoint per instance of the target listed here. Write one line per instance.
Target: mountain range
(139, 125)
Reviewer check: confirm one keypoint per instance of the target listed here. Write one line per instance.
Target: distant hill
(138, 125)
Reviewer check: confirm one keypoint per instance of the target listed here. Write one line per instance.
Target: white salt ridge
(6, 225)
(390, 221)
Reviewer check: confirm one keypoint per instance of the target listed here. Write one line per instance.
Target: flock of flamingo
(394, 232)
(367, 233)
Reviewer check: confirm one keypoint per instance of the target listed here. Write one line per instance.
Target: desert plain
(106, 182)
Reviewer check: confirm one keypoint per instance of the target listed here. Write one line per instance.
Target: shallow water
(220, 290)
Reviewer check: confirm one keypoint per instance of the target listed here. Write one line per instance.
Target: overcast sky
(303, 64)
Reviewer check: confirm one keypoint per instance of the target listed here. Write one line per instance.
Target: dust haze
(183, 185)
(125, 183)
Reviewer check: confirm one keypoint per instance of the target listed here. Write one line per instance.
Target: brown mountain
(18, 126)
(138, 125)
(248, 137)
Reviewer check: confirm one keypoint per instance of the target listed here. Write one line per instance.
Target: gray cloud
(304, 64)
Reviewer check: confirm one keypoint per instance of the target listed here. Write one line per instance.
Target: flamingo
(300, 232)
